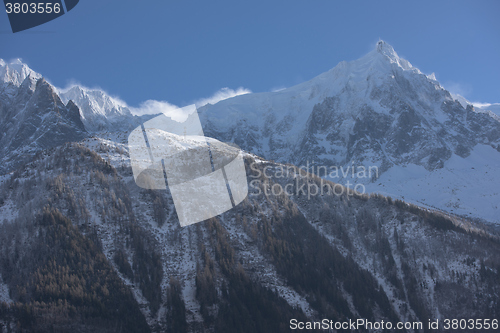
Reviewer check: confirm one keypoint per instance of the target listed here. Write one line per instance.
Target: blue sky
(181, 51)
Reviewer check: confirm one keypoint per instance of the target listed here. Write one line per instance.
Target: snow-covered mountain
(32, 116)
(377, 111)
(35, 115)
(15, 72)
(99, 111)
(83, 248)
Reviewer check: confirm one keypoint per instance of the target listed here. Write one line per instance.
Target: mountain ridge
(83, 248)
(377, 111)
(34, 118)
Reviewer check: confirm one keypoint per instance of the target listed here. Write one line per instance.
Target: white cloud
(180, 114)
(481, 105)
(276, 89)
(220, 95)
(157, 107)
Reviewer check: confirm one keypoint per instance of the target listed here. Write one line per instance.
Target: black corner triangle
(70, 4)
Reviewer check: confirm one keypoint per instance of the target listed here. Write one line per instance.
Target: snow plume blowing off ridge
(176, 113)
(221, 95)
(157, 107)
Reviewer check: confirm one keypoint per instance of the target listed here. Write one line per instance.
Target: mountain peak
(386, 50)
(15, 71)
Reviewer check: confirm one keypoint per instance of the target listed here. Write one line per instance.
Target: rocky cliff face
(33, 118)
